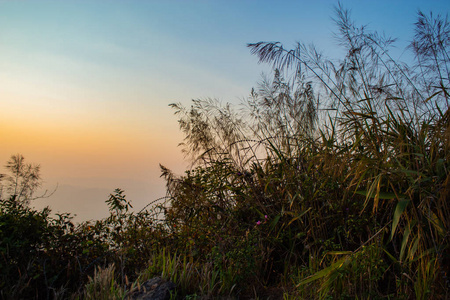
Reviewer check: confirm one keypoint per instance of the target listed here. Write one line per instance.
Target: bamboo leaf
(277, 152)
(394, 260)
(299, 216)
(382, 195)
(440, 167)
(404, 241)
(437, 223)
(411, 172)
(371, 116)
(401, 205)
(414, 247)
(394, 98)
(372, 193)
(327, 271)
(432, 96)
(339, 252)
(275, 221)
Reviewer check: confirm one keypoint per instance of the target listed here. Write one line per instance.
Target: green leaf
(275, 221)
(339, 252)
(413, 249)
(327, 271)
(382, 195)
(440, 167)
(404, 241)
(436, 222)
(394, 260)
(299, 216)
(411, 172)
(401, 205)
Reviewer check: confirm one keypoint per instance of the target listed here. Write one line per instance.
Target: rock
(153, 289)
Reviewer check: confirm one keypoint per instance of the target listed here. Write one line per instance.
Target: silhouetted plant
(22, 181)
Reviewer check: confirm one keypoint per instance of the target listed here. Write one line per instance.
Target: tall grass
(340, 172)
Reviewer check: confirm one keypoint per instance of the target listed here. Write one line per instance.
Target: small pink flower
(258, 223)
(266, 217)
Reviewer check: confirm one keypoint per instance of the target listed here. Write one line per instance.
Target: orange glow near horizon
(107, 148)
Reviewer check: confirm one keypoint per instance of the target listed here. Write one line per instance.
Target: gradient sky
(85, 85)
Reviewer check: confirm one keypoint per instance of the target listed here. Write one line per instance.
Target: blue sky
(85, 85)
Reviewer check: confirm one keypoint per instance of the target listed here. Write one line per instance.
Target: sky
(85, 86)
